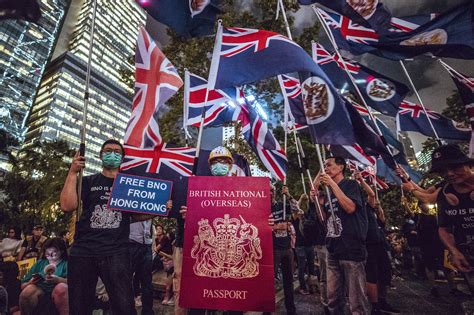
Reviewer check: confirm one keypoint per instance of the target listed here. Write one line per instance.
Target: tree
(456, 110)
(33, 186)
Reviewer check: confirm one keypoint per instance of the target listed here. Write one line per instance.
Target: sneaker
(171, 302)
(138, 301)
(434, 292)
(385, 308)
(304, 292)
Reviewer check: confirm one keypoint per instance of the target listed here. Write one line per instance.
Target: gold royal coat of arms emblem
(230, 248)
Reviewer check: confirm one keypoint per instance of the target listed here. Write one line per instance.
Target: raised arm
(68, 197)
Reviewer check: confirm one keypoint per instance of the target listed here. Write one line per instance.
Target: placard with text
(140, 194)
(228, 250)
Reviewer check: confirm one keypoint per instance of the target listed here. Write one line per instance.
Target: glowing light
(250, 98)
(260, 110)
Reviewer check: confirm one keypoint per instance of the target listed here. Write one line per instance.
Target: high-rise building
(25, 49)
(57, 109)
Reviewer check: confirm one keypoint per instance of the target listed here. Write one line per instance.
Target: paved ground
(409, 294)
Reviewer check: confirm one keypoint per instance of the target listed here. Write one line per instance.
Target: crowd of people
(334, 242)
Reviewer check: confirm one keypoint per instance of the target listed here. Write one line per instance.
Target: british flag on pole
(220, 106)
(145, 152)
(411, 117)
(156, 81)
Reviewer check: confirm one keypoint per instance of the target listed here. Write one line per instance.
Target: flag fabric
(263, 143)
(28, 10)
(368, 173)
(353, 152)
(448, 35)
(156, 81)
(411, 117)
(327, 121)
(221, 104)
(409, 23)
(380, 92)
(390, 176)
(367, 137)
(465, 85)
(366, 12)
(243, 55)
(188, 18)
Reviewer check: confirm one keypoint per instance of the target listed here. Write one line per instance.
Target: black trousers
(114, 270)
(283, 258)
(141, 259)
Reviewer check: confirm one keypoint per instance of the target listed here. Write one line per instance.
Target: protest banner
(228, 249)
(140, 194)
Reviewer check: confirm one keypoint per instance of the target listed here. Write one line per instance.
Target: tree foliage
(31, 190)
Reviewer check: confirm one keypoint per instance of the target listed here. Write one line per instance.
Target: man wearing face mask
(101, 238)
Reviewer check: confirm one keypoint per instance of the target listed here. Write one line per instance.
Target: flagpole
(281, 7)
(203, 115)
(82, 147)
(299, 152)
(356, 87)
(186, 105)
(285, 113)
(402, 64)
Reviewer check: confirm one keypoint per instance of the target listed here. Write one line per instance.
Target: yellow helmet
(220, 152)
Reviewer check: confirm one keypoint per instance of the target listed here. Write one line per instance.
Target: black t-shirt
(375, 233)
(281, 238)
(100, 231)
(459, 219)
(179, 233)
(346, 233)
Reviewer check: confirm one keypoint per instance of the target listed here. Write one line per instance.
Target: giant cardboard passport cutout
(228, 252)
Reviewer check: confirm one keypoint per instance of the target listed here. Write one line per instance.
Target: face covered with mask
(111, 156)
(220, 166)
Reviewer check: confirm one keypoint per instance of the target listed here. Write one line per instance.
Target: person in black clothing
(317, 200)
(282, 254)
(411, 252)
(377, 268)
(304, 224)
(345, 239)
(455, 210)
(101, 237)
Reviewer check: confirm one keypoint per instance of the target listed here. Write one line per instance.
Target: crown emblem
(230, 248)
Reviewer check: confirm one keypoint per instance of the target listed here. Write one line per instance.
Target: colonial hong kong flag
(353, 152)
(411, 117)
(448, 35)
(465, 85)
(368, 173)
(380, 92)
(220, 107)
(156, 81)
(313, 104)
(365, 12)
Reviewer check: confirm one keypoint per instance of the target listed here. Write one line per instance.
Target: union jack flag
(237, 40)
(368, 173)
(410, 23)
(411, 117)
(221, 104)
(349, 30)
(180, 160)
(415, 110)
(156, 81)
(353, 152)
(263, 143)
(243, 56)
(322, 57)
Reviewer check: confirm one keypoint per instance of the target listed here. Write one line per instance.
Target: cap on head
(448, 155)
(220, 152)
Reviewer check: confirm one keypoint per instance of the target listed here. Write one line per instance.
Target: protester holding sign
(101, 238)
